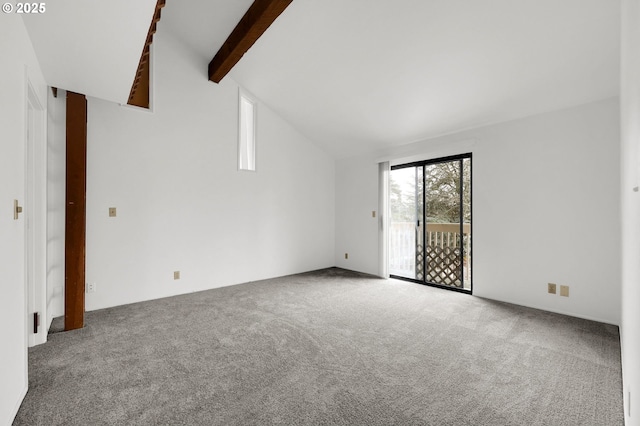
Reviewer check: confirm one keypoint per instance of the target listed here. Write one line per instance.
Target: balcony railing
(443, 243)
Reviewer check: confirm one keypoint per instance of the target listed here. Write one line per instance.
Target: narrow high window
(247, 133)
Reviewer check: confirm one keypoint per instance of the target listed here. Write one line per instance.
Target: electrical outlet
(551, 288)
(176, 275)
(564, 290)
(112, 212)
(346, 255)
(91, 287)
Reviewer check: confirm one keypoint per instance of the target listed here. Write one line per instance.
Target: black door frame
(423, 164)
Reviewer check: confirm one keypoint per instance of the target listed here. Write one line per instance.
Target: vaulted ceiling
(359, 75)
(91, 47)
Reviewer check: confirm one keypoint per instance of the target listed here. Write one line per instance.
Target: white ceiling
(360, 75)
(91, 47)
(203, 25)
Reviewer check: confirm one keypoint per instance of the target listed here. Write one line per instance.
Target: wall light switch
(373, 213)
(551, 288)
(564, 290)
(112, 212)
(176, 275)
(346, 255)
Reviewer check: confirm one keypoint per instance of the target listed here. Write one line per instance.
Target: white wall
(545, 208)
(630, 172)
(356, 229)
(16, 53)
(181, 202)
(56, 165)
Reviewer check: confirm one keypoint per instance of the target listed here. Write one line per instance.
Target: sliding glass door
(430, 223)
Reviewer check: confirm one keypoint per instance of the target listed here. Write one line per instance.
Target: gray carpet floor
(329, 347)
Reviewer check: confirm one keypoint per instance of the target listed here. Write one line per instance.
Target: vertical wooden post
(75, 212)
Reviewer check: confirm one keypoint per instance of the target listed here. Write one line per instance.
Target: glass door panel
(430, 224)
(466, 218)
(405, 236)
(443, 189)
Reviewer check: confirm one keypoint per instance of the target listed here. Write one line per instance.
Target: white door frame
(35, 210)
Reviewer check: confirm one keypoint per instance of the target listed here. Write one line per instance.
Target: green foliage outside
(442, 182)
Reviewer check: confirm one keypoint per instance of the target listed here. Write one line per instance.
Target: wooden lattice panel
(419, 262)
(444, 265)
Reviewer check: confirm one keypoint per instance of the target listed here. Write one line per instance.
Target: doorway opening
(430, 222)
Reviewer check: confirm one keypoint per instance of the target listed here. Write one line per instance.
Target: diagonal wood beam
(139, 94)
(253, 24)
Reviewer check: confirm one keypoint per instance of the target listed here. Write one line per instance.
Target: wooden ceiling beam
(260, 15)
(142, 73)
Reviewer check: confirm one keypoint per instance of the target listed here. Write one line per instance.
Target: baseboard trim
(555, 311)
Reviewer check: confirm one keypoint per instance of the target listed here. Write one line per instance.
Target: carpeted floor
(330, 347)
